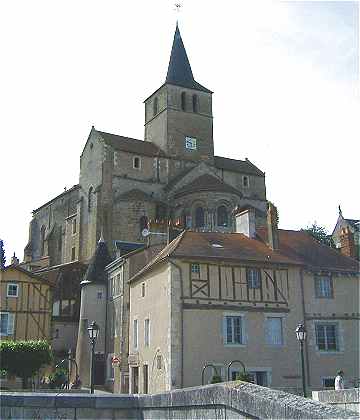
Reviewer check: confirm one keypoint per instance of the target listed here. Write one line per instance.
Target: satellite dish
(145, 233)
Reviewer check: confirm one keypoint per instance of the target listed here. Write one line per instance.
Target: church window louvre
(155, 106)
(222, 216)
(245, 181)
(183, 101)
(195, 103)
(199, 217)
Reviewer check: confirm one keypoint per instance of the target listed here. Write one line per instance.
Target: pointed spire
(95, 272)
(179, 70)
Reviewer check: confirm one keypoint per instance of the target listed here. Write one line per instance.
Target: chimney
(245, 221)
(272, 224)
(14, 260)
(347, 243)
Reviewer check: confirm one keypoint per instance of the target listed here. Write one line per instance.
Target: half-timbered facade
(25, 311)
(212, 298)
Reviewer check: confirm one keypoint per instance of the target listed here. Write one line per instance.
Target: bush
(243, 376)
(24, 358)
(216, 379)
(58, 378)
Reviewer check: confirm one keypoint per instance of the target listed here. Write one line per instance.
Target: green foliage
(24, 358)
(320, 234)
(2, 254)
(243, 376)
(216, 379)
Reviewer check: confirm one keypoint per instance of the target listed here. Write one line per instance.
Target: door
(135, 380)
(146, 378)
(99, 369)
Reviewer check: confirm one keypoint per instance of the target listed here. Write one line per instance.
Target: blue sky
(284, 76)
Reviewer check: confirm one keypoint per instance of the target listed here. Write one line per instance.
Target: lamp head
(93, 331)
(300, 333)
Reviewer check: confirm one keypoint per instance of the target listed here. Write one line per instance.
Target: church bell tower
(178, 116)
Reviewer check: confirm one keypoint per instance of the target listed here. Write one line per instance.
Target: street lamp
(93, 335)
(301, 336)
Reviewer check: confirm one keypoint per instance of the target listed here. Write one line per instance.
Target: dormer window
(183, 101)
(136, 162)
(155, 106)
(245, 181)
(195, 103)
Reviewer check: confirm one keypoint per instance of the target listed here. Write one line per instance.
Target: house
(26, 304)
(210, 298)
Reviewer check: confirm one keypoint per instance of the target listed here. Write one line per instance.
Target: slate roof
(179, 71)
(75, 187)
(95, 272)
(355, 223)
(127, 144)
(243, 166)
(206, 182)
(297, 248)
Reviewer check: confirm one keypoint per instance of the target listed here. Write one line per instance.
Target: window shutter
(11, 321)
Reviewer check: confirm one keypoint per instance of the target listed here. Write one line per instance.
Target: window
(155, 106)
(245, 181)
(147, 332)
(135, 332)
(159, 361)
(323, 287)
(143, 290)
(327, 337)
(143, 223)
(99, 295)
(253, 278)
(222, 216)
(199, 217)
(74, 226)
(328, 382)
(234, 330)
(42, 240)
(136, 162)
(274, 331)
(195, 103)
(190, 143)
(6, 323)
(12, 290)
(195, 268)
(90, 198)
(183, 101)
(73, 254)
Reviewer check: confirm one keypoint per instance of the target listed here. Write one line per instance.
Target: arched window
(195, 103)
(222, 216)
(42, 240)
(90, 193)
(143, 223)
(183, 101)
(155, 106)
(199, 217)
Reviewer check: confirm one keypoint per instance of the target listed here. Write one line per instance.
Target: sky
(284, 76)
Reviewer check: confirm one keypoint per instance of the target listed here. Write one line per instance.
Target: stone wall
(348, 399)
(233, 400)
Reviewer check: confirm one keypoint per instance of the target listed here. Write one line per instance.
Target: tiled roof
(242, 166)
(206, 182)
(127, 144)
(25, 271)
(297, 248)
(75, 187)
(302, 247)
(135, 195)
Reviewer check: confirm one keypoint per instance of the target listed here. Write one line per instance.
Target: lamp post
(93, 335)
(301, 336)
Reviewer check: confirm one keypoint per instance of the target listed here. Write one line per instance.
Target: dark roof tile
(242, 166)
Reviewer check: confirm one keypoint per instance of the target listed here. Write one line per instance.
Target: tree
(320, 234)
(24, 358)
(2, 254)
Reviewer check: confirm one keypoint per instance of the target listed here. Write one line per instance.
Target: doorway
(135, 380)
(146, 379)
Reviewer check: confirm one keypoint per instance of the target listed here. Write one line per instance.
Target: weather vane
(177, 7)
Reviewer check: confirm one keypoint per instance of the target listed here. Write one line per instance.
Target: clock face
(190, 143)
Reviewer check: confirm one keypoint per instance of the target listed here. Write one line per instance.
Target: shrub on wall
(24, 358)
